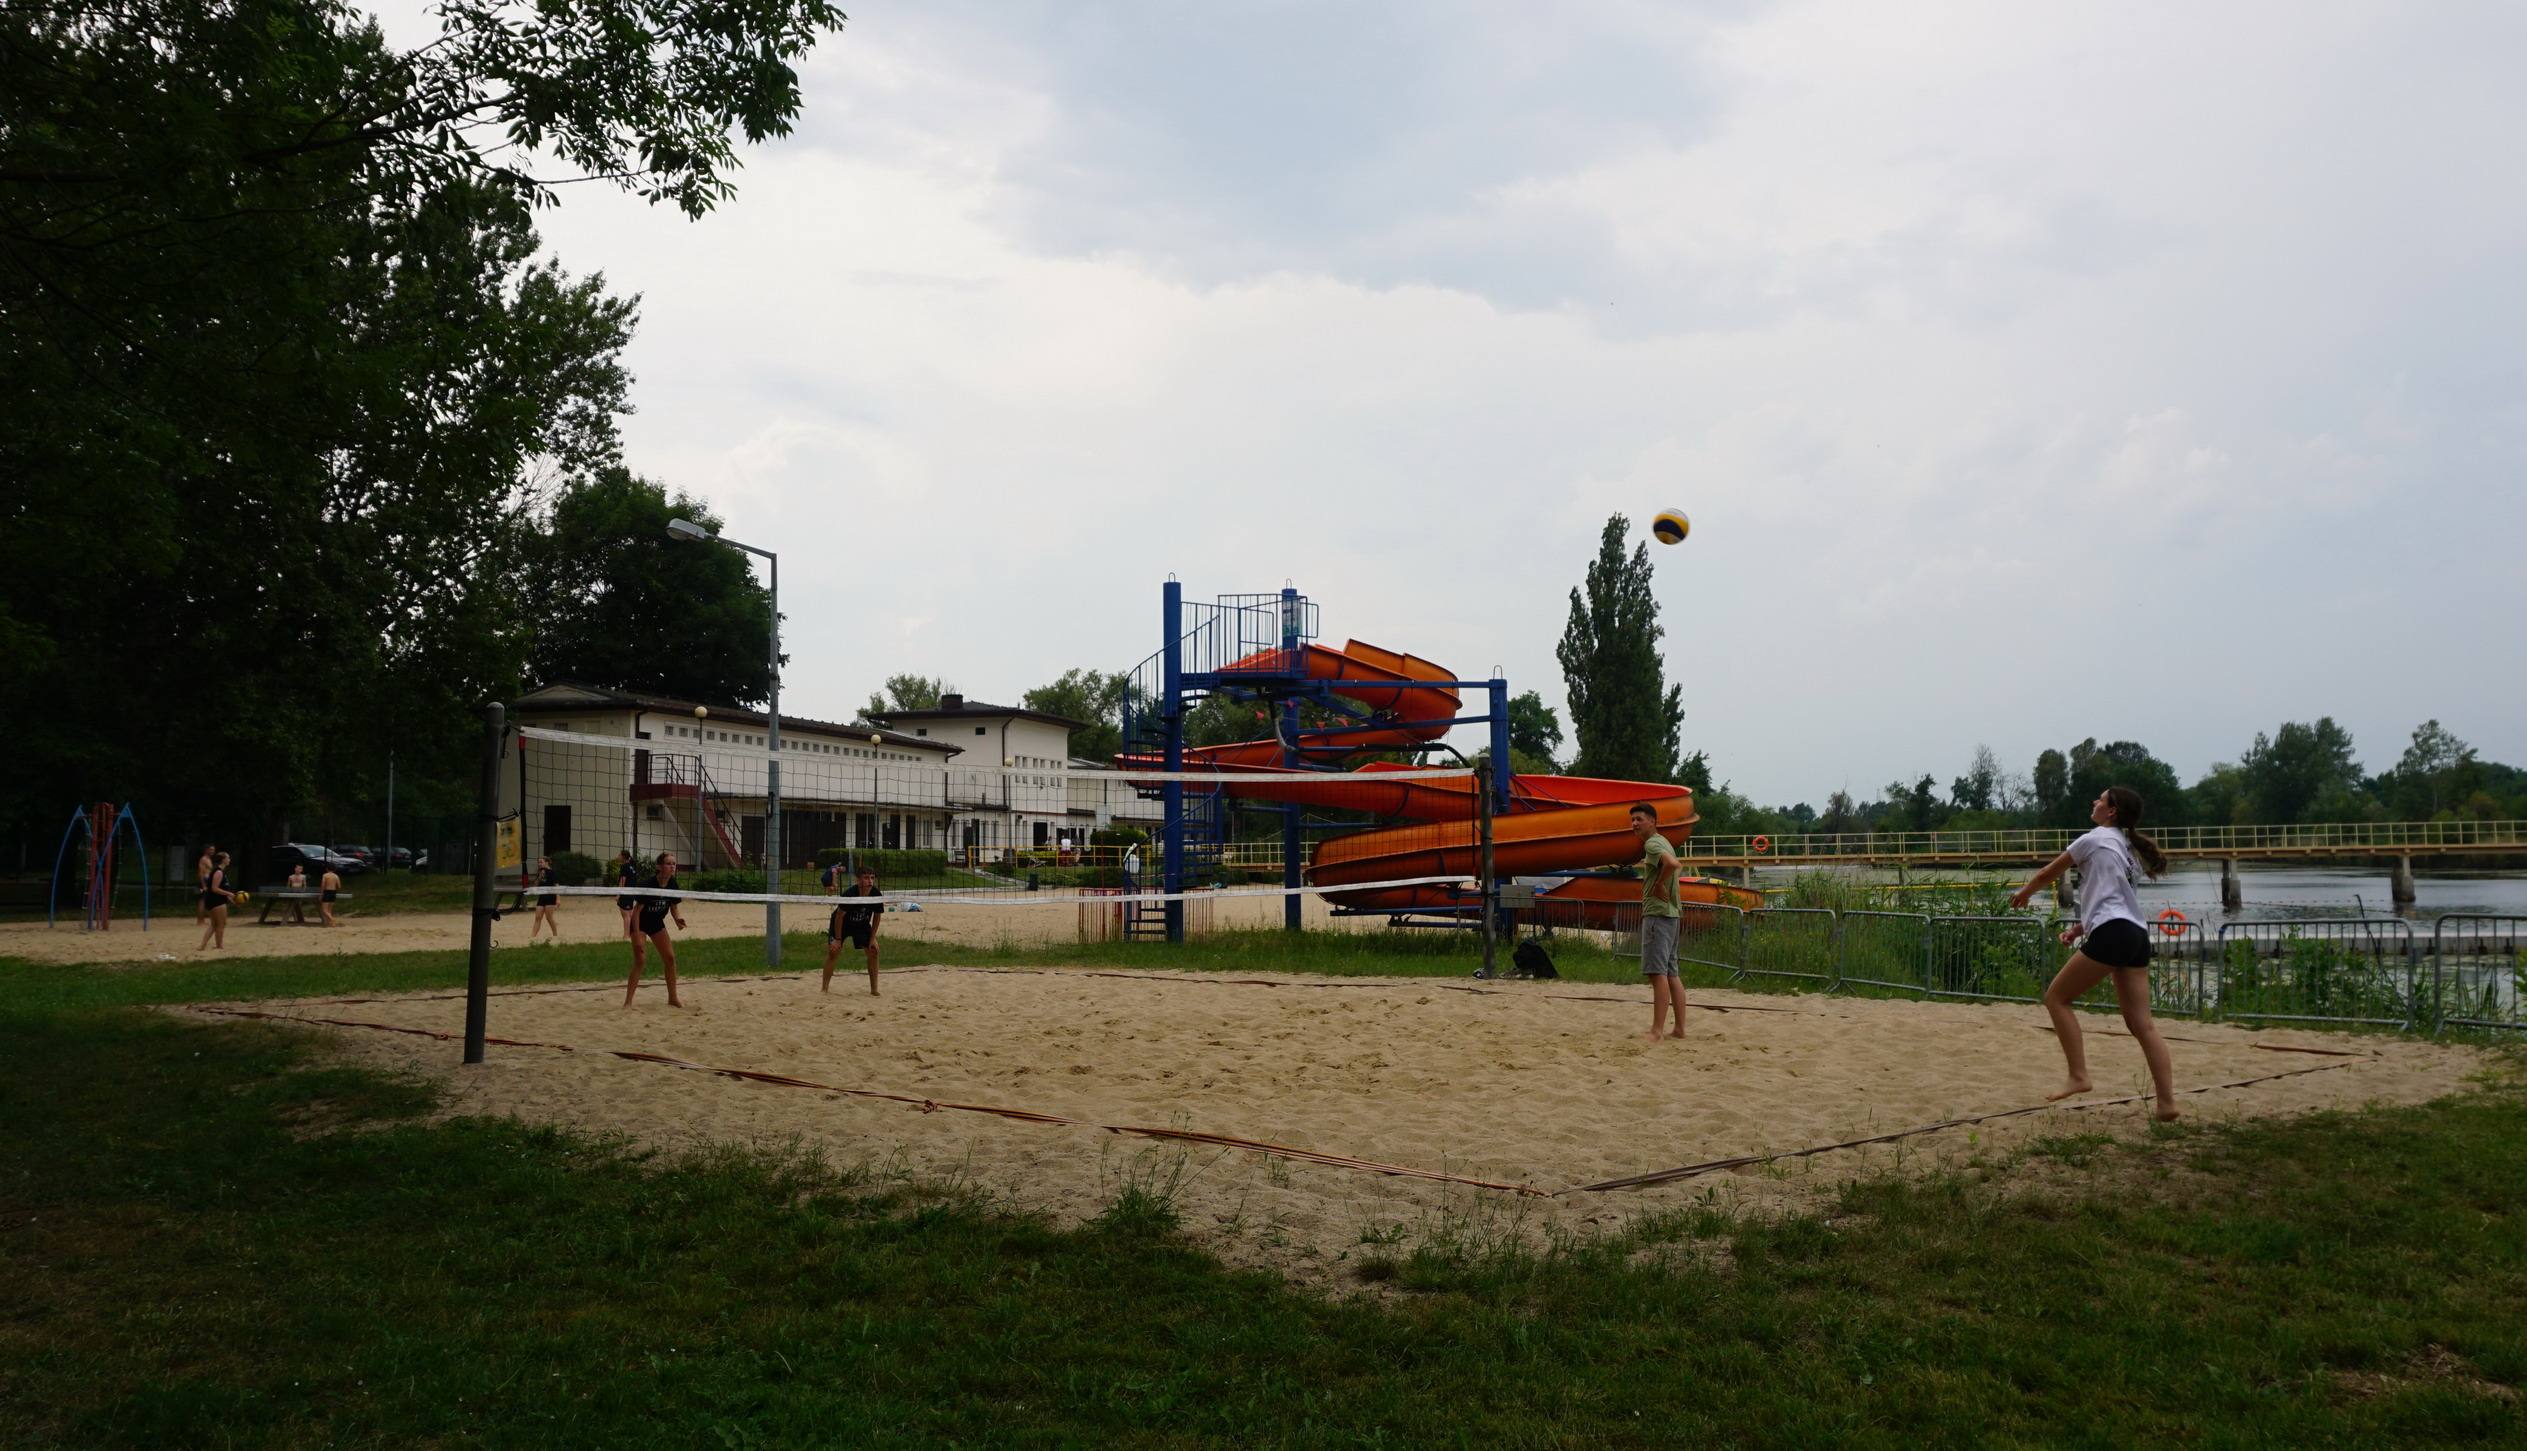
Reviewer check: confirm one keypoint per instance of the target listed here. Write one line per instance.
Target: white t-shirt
(2104, 858)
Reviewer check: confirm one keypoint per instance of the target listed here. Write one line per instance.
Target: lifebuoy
(2172, 922)
(1761, 844)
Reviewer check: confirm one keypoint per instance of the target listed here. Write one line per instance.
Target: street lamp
(686, 529)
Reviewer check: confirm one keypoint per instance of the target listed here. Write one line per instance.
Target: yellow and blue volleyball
(1671, 526)
(244, 897)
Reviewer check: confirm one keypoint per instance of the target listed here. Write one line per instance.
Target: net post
(486, 853)
(1291, 878)
(1171, 850)
(1483, 775)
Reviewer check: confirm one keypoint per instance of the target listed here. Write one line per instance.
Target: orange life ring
(1761, 844)
(2172, 922)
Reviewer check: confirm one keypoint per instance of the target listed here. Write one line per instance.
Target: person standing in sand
(2117, 943)
(202, 882)
(215, 899)
(546, 903)
(328, 887)
(1662, 916)
(856, 925)
(655, 907)
(626, 877)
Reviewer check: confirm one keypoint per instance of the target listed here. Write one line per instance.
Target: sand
(1548, 1085)
(1026, 919)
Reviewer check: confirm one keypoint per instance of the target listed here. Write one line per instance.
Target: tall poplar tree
(1627, 720)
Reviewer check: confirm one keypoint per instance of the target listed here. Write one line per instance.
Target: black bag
(1532, 961)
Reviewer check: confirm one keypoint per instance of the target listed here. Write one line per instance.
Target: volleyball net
(746, 824)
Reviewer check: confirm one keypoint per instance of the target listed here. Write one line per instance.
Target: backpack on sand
(1532, 961)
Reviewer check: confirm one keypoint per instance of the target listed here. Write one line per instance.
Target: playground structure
(1536, 847)
(97, 829)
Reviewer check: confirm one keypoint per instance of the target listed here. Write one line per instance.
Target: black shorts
(328, 896)
(626, 904)
(2118, 944)
(859, 934)
(653, 921)
(549, 899)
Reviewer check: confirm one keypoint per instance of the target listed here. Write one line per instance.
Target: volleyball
(244, 897)
(1671, 526)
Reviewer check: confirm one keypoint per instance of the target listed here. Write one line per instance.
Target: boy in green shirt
(1662, 912)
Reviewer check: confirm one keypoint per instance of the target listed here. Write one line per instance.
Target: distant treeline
(2299, 773)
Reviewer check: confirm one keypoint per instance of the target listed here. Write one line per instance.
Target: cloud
(2030, 373)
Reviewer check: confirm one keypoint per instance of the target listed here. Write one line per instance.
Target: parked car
(316, 859)
(402, 856)
(363, 855)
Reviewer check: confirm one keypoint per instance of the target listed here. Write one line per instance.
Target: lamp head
(686, 529)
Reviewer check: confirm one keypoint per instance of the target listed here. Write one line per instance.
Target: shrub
(577, 869)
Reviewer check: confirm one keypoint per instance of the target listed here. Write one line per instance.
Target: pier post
(2401, 885)
(2062, 891)
(2232, 890)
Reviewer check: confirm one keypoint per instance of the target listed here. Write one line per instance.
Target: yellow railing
(2353, 837)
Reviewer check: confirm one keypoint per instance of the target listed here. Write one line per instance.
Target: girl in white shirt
(2117, 943)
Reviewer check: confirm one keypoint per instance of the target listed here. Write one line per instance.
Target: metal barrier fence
(2479, 971)
(1885, 949)
(2352, 970)
(1790, 942)
(2357, 970)
(1713, 937)
(2007, 959)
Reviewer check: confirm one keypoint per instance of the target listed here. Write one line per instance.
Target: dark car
(399, 856)
(316, 859)
(360, 854)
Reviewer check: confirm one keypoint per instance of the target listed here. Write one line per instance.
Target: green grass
(208, 1237)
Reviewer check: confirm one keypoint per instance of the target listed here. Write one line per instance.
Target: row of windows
(815, 748)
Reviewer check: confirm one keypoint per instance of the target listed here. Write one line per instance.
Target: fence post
(486, 854)
(1489, 883)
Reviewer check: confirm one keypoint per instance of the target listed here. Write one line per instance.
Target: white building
(657, 776)
(1035, 798)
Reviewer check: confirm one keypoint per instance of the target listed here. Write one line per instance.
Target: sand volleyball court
(1529, 1090)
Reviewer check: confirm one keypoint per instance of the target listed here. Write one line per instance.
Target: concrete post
(2232, 889)
(2401, 887)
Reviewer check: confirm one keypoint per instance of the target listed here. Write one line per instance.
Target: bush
(1118, 836)
(577, 869)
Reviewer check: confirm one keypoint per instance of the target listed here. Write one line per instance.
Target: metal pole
(486, 852)
(1171, 850)
(1483, 777)
(1290, 874)
(390, 810)
(772, 788)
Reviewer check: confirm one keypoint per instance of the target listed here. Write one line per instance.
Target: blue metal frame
(79, 818)
(1197, 645)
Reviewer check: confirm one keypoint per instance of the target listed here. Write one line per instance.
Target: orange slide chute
(1554, 824)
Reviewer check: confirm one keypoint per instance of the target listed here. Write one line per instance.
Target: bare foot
(2071, 1087)
(1653, 1035)
(2167, 1113)
(1677, 1033)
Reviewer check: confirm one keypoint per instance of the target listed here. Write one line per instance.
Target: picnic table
(298, 900)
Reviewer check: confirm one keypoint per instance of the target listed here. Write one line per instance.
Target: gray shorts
(1658, 946)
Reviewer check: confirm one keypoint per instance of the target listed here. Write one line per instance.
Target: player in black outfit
(627, 876)
(546, 903)
(857, 925)
(656, 906)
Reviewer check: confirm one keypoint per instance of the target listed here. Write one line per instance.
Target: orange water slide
(1554, 824)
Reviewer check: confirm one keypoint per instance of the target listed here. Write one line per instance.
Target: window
(978, 730)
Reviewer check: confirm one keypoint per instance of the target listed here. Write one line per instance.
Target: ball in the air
(244, 897)
(701, 712)
(1671, 526)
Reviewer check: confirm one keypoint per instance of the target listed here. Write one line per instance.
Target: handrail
(2348, 836)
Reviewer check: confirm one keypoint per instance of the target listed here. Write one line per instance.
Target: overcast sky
(2030, 372)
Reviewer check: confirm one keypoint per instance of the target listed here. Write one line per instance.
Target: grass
(210, 1237)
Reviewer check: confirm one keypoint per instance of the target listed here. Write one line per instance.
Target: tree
(1840, 815)
(1920, 803)
(2288, 772)
(2052, 788)
(1534, 731)
(2219, 797)
(1976, 789)
(621, 605)
(2434, 772)
(1092, 697)
(2091, 768)
(908, 692)
(1627, 720)
(284, 379)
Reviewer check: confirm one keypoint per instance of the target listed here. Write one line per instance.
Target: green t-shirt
(1655, 901)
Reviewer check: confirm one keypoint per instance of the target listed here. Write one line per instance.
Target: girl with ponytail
(2117, 941)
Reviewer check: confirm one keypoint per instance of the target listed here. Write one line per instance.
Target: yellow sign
(508, 855)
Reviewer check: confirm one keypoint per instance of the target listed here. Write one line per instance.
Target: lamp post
(686, 529)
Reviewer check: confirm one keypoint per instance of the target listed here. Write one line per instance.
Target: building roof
(952, 706)
(564, 697)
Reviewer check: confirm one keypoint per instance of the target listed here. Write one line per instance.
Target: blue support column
(1171, 847)
(1290, 813)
